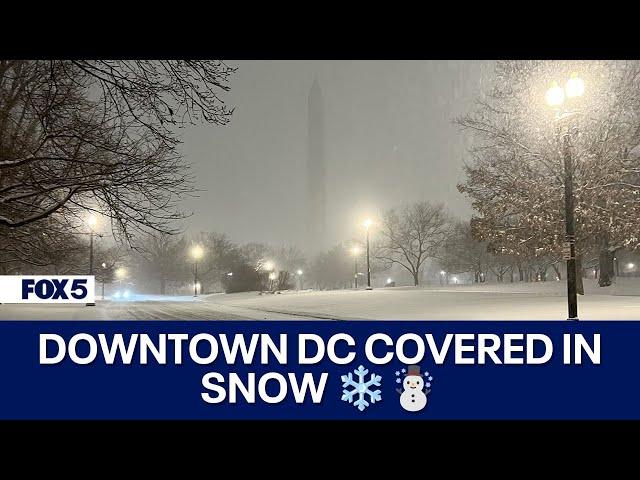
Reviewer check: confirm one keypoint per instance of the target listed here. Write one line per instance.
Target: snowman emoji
(412, 398)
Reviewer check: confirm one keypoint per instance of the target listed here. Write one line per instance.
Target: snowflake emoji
(428, 384)
(404, 370)
(360, 388)
(398, 380)
(397, 373)
(430, 378)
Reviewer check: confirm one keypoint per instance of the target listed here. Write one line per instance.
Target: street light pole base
(369, 288)
(576, 319)
(91, 304)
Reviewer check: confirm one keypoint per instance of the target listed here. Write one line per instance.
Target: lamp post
(104, 267)
(273, 276)
(555, 98)
(121, 273)
(355, 251)
(196, 253)
(442, 274)
(299, 273)
(92, 221)
(367, 225)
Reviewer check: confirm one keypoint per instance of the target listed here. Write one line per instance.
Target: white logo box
(77, 288)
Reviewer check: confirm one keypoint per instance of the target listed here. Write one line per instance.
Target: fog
(389, 138)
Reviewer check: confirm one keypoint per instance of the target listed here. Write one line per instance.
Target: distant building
(316, 174)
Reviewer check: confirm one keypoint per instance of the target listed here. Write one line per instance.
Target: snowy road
(187, 309)
(544, 301)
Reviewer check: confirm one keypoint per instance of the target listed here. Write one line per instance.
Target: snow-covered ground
(509, 301)
(538, 301)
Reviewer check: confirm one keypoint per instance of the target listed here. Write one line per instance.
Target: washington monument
(316, 171)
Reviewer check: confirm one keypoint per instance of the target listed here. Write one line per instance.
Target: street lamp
(355, 251)
(367, 225)
(104, 267)
(273, 276)
(442, 274)
(121, 274)
(196, 253)
(92, 221)
(299, 272)
(268, 266)
(555, 98)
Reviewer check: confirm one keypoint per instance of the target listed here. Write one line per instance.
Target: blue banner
(319, 370)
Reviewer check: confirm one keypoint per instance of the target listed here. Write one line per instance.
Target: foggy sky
(389, 139)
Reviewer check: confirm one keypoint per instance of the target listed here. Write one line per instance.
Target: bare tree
(79, 136)
(462, 253)
(411, 234)
(160, 259)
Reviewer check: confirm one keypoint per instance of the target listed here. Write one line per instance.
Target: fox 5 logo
(55, 288)
(47, 289)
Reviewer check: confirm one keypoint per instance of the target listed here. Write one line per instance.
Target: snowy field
(510, 301)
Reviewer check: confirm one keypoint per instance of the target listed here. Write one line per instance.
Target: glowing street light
(555, 95)
(299, 273)
(268, 265)
(273, 276)
(121, 274)
(389, 280)
(574, 87)
(367, 225)
(442, 275)
(92, 221)
(631, 267)
(555, 98)
(196, 252)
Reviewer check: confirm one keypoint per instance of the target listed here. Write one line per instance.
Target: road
(139, 310)
(484, 302)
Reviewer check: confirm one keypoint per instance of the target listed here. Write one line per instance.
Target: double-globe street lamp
(556, 97)
(196, 253)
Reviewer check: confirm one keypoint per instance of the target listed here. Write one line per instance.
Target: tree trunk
(557, 270)
(606, 267)
(579, 282)
(543, 275)
(163, 286)
(416, 276)
(521, 273)
(476, 277)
